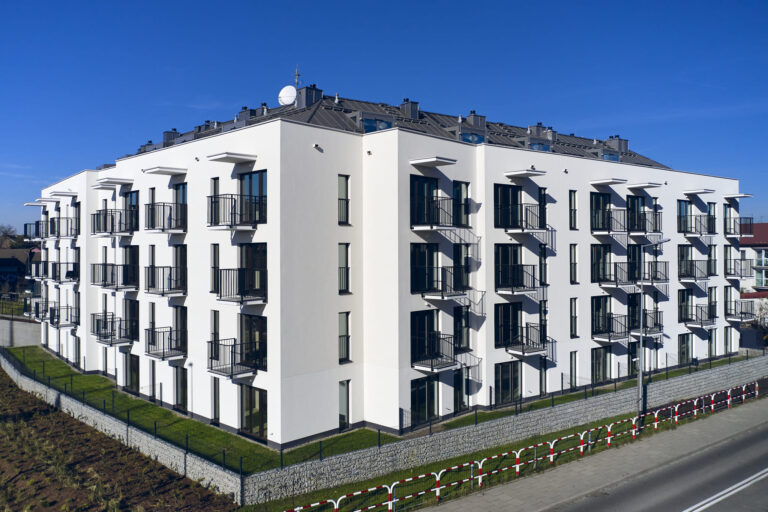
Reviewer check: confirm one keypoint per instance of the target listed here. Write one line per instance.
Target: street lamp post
(642, 334)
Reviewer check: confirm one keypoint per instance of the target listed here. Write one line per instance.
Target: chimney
(476, 120)
(245, 113)
(170, 136)
(308, 96)
(264, 109)
(409, 109)
(616, 143)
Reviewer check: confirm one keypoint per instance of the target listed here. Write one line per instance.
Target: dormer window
(540, 146)
(373, 125)
(472, 138)
(611, 157)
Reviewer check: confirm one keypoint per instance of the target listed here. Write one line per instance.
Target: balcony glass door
(634, 261)
(253, 191)
(634, 310)
(132, 371)
(508, 324)
(507, 209)
(423, 267)
(424, 341)
(601, 262)
(601, 370)
(599, 205)
(253, 412)
(635, 215)
(253, 339)
(601, 308)
(423, 399)
(507, 382)
(423, 191)
(253, 258)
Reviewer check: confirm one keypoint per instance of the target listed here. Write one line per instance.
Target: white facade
(302, 234)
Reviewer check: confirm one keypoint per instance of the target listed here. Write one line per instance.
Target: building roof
(314, 108)
(759, 238)
(754, 295)
(21, 255)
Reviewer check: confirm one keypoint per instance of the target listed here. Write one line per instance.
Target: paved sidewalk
(565, 483)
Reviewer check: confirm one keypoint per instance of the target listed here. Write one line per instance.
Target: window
(132, 373)
(543, 375)
(542, 264)
(728, 340)
(574, 318)
(601, 263)
(461, 328)
(685, 305)
(152, 379)
(425, 207)
(711, 260)
(634, 308)
(712, 303)
(572, 382)
(539, 146)
(508, 269)
(423, 267)
(542, 208)
(343, 337)
(611, 157)
(252, 205)
(711, 226)
(423, 399)
(684, 349)
(507, 382)
(180, 193)
(373, 125)
(215, 399)
(253, 337)
(601, 367)
(180, 388)
(507, 212)
(572, 209)
(343, 185)
(343, 404)
(215, 281)
(507, 324)
(472, 138)
(214, 354)
(685, 222)
(343, 268)
(425, 339)
(573, 267)
(253, 412)
(601, 314)
(460, 204)
(711, 343)
(460, 267)
(460, 383)
(543, 312)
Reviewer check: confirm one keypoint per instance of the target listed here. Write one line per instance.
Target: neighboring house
(755, 248)
(335, 263)
(14, 264)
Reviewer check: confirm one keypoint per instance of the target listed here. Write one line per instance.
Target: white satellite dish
(287, 95)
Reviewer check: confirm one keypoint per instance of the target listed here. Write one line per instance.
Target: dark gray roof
(344, 114)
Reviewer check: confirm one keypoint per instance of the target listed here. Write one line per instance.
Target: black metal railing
(738, 226)
(62, 272)
(515, 278)
(433, 351)
(116, 276)
(36, 230)
(693, 269)
(445, 281)
(524, 217)
(76, 315)
(231, 357)
(699, 315)
(616, 274)
(242, 284)
(63, 227)
(656, 272)
(165, 216)
(431, 211)
(165, 280)
(103, 326)
(652, 323)
(740, 268)
(38, 269)
(112, 221)
(344, 211)
(343, 279)
(41, 309)
(61, 315)
(644, 222)
(165, 342)
(609, 326)
(232, 210)
(344, 348)
(697, 224)
(613, 220)
(743, 310)
(525, 341)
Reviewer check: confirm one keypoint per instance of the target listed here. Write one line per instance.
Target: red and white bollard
(729, 398)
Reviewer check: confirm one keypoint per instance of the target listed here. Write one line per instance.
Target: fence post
(553, 399)
(83, 396)
(155, 429)
(128, 412)
(281, 457)
(113, 401)
(379, 438)
(321, 449)
(71, 385)
(585, 392)
(43, 368)
(186, 443)
(224, 458)
(242, 487)
(65, 388)
(475, 414)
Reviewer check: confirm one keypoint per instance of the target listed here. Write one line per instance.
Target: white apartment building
(338, 263)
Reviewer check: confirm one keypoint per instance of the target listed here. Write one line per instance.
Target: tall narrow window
(216, 402)
(343, 404)
(507, 382)
(542, 208)
(684, 349)
(343, 185)
(543, 375)
(542, 264)
(180, 388)
(685, 221)
(253, 412)
(728, 340)
(343, 268)
(572, 382)
(215, 284)
(343, 337)
(460, 204)
(461, 328)
(711, 260)
(573, 268)
(572, 209)
(574, 318)
(152, 379)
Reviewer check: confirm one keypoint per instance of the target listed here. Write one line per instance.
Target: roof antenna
(297, 76)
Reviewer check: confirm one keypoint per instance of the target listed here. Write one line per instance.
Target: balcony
(233, 358)
(63, 316)
(236, 212)
(115, 276)
(64, 227)
(529, 342)
(166, 343)
(242, 285)
(607, 222)
(652, 323)
(655, 272)
(613, 275)
(697, 225)
(740, 310)
(41, 310)
(738, 227)
(739, 268)
(441, 283)
(165, 217)
(702, 316)
(515, 279)
(433, 354)
(643, 223)
(692, 271)
(521, 218)
(431, 213)
(165, 281)
(114, 222)
(113, 331)
(65, 272)
(34, 231)
(38, 270)
(609, 327)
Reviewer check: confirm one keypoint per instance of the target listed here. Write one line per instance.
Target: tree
(7, 235)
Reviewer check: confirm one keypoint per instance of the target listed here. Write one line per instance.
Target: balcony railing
(242, 284)
(515, 278)
(738, 226)
(610, 327)
(693, 270)
(165, 342)
(63, 272)
(739, 268)
(115, 276)
(609, 221)
(112, 330)
(344, 348)
(644, 222)
(740, 310)
(431, 212)
(616, 274)
(652, 323)
(36, 230)
(235, 210)
(41, 309)
(521, 218)
(441, 282)
(62, 316)
(231, 357)
(38, 269)
(343, 279)
(433, 352)
(114, 222)
(700, 315)
(165, 280)
(64, 227)
(344, 211)
(527, 342)
(697, 225)
(655, 272)
(170, 217)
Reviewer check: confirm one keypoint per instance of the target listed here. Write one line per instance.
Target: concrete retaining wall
(17, 333)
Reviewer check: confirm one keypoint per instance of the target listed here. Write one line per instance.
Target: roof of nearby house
(760, 238)
(20, 255)
(754, 295)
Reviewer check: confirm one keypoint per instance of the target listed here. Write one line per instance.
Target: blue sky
(82, 83)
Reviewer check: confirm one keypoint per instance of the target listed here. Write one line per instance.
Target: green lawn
(204, 440)
(15, 308)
